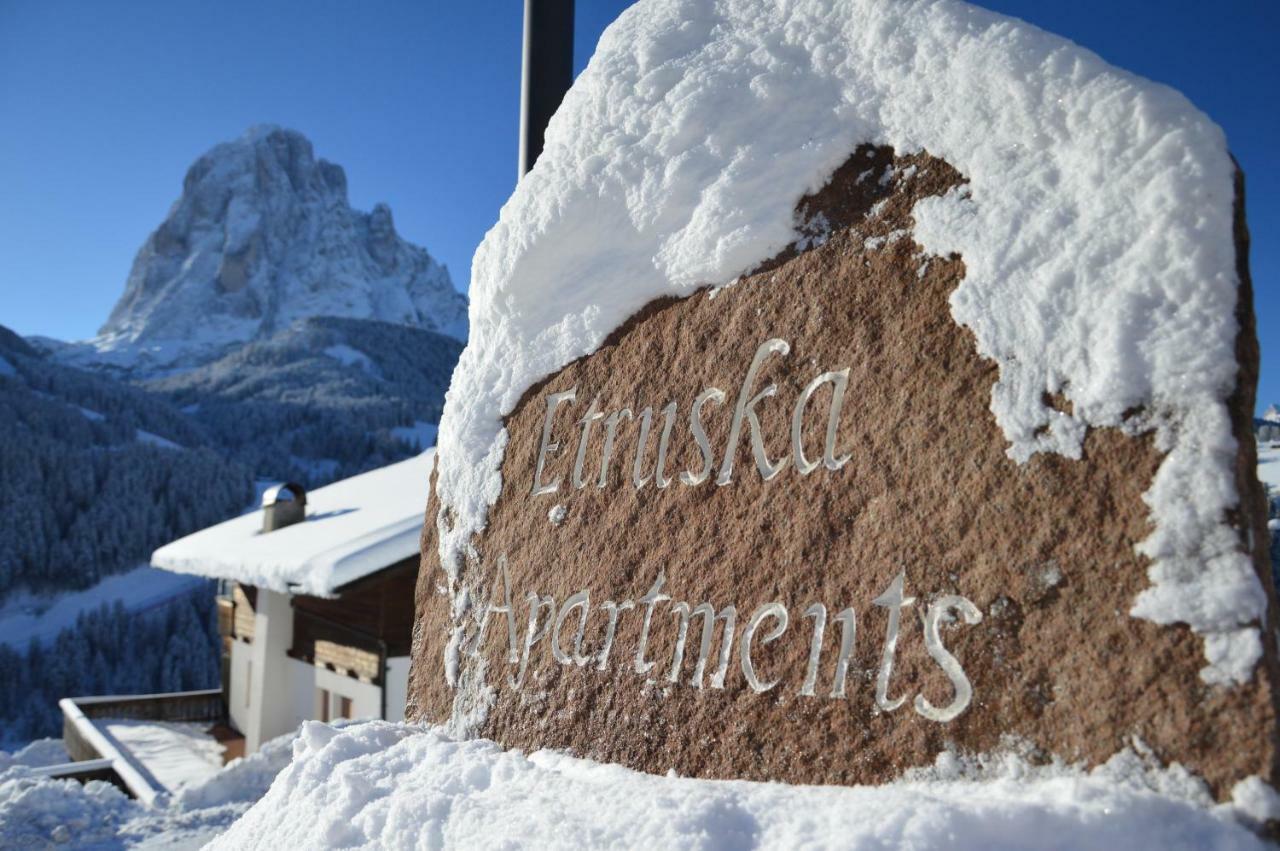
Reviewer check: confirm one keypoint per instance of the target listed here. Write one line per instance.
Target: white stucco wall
(243, 714)
(397, 687)
(366, 698)
(273, 673)
(283, 692)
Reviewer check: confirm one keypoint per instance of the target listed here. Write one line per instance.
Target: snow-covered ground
(376, 785)
(37, 754)
(382, 785)
(178, 755)
(24, 616)
(38, 813)
(348, 356)
(156, 440)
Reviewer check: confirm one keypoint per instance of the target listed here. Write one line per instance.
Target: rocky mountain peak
(263, 235)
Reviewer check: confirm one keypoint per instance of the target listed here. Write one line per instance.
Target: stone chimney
(283, 505)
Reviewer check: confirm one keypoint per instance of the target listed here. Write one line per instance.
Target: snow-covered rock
(1095, 228)
(261, 236)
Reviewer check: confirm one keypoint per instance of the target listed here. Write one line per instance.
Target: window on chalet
(331, 706)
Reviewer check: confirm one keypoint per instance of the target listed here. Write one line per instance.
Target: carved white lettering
(818, 612)
(660, 477)
(533, 634)
(580, 600)
(893, 600)
(711, 394)
(939, 609)
(614, 609)
(773, 610)
(848, 631)
(610, 433)
(546, 621)
(838, 380)
(587, 421)
(513, 652)
(547, 446)
(746, 409)
(642, 443)
(729, 615)
(744, 416)
(649, 600)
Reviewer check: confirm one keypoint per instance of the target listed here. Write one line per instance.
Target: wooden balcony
(338, 647)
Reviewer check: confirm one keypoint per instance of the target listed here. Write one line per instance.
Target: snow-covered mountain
(1272, 414)
(263, 236)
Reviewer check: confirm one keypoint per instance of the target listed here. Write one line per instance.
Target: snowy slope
(25, 617)
(1269, 466)
(262, 236)
(390, 786)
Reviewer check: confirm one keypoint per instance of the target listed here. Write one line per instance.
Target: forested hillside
(322, 400)
(108, 651)
(97, 474)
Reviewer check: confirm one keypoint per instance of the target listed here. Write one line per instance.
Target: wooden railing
(84, 741)
(203, 705)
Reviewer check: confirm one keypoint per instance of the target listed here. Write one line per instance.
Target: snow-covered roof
(354, 527)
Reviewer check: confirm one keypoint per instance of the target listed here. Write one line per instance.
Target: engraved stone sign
(774, 530)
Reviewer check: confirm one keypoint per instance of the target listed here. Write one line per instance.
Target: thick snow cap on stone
(1096, 231)
(354, 527)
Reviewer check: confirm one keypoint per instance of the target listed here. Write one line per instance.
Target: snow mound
(37, 754)
(39, 813)
(1096, 231)
(382, 785)
(36, 812)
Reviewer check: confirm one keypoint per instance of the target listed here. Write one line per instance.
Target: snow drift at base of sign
(391, 786)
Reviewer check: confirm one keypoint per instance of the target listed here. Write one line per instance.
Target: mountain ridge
(262, 236)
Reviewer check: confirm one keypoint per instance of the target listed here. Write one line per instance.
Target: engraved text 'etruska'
(744, 417)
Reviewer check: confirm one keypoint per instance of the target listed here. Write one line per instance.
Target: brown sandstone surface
(1044, 550)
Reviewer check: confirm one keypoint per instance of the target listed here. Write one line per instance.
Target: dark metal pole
(547, 71)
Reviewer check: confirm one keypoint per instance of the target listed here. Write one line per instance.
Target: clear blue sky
(104, 105)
